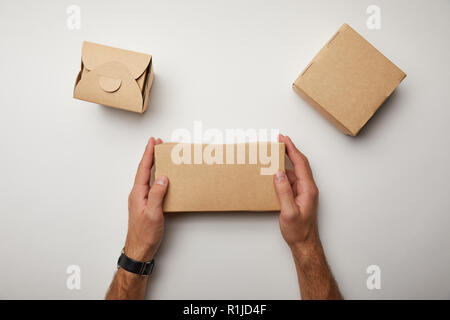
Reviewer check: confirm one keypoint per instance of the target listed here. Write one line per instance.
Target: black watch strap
(133, 266)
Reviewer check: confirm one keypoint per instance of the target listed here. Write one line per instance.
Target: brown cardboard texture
(114, 77)
(348, 80)
(233, 182)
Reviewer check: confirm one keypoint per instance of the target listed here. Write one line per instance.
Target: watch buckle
(144, 265)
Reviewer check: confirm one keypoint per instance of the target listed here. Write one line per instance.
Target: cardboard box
(114, 77)
(238, 180)
(348, 80)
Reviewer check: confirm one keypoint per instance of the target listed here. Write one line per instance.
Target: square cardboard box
(348, 80)
(114, 77)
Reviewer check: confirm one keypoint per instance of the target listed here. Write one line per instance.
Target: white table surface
(67, 166)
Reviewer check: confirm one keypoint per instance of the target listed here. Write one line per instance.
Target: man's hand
(145, 227)
(298, 196)
(145, 215)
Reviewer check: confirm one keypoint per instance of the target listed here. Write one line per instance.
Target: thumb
(285, 194)
(157, 192)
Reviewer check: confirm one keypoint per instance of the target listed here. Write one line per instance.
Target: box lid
(348, 80)
(94, 55)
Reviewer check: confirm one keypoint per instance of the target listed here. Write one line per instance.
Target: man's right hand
(298, 195)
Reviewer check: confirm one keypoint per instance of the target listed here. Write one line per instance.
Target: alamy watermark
(73, 281)
(374, 279)
(220, 148)
(73, 21)
(374, 20)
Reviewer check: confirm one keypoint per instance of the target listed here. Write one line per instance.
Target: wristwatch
(143, 269)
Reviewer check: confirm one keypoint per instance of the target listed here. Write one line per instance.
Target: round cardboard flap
(109, 84)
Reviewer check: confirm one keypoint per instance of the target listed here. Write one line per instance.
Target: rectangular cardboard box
(233, 183)
(114, 77)
(348, 80)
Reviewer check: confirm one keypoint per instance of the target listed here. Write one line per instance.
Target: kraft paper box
(237, 177)
(114, 77)
(348, 80)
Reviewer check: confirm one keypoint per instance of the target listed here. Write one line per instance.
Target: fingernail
(162, 181)
(280, 176)
(148, 142)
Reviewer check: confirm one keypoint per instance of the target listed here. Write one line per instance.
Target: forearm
(314, 275)
(127, 286)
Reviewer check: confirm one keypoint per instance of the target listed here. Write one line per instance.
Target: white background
(67, 166)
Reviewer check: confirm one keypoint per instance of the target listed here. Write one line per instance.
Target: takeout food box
(348, 80)
(114, 77)
(241, 181)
